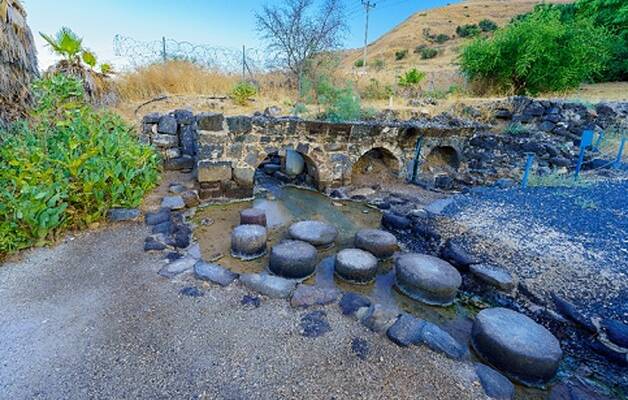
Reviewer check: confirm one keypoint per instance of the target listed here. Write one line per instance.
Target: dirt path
(90, 318)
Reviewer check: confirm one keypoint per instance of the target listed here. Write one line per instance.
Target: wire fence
(247, 61)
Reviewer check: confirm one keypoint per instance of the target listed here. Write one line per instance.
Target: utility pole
(368, 4)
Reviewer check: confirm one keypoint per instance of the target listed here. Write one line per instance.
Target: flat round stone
(253, 216)
(427, 279)
(293, 259)
(516, 345)
(355, 265)
(380, 243)
(314, 232)
(248, 242)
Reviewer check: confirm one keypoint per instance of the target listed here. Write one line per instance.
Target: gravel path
(90, 318)
(571, 241)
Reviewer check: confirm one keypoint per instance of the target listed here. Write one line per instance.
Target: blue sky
(211, 22)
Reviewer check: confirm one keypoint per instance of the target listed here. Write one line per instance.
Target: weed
(401, 54)
(515, 129)
(428, 53)
(242, 92)
(359, 63)
(376, 91)
(378, 64)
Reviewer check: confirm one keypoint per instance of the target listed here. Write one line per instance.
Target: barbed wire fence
(247, 61)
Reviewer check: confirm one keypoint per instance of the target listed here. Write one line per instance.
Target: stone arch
(441, 158)
(375, 166)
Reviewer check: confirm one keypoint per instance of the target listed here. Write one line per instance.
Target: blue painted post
(620, 152)
(417, 156)
(526, 173)
(585, 141)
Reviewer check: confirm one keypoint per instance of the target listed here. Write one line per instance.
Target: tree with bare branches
(298, 30)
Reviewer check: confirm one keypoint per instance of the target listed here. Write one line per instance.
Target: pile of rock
(291, 168)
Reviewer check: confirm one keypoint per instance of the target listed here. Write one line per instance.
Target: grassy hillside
(441, 69)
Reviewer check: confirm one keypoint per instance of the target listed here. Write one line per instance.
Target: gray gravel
(91, 318)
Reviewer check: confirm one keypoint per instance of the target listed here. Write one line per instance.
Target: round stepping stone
(355, 265)
(380, 243)
(293, 259)
(314, 232)
(248, 242)
(427, 279)
(253, 216)
(516, 345)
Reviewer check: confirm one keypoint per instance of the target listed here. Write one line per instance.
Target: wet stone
(355, 265)
(293, 259)
(214, 273)
(314, 232)
(427, 279)
(314, 324)
(271, 286)
(253, 216)
(438, 340)
(270, 169)
(191, 292)
(569, 311)
(308, 295)
(458, 256)
(350, 303)
(158, 217)
(360, 348)
(380, 243)
(295, 164)
(396, 222)
(493, 275)
(248, 300)
(173, 202)
(495, 385)
(406, 330)
(516, 345)
(617, 332)
(248, 242)
(152, 244)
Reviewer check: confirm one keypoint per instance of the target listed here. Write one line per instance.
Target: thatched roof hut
(18, 60)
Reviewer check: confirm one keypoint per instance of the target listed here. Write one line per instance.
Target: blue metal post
(417, 156)
(585, 141)
(526, 173)
(620, 152)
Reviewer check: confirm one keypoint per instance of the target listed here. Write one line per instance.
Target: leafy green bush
(401, 54)
(468, 30)
(376, 91)
(486, 25)
(67, 166)
(538, 53)
(242, 92)
(359, 63)
(411, 78)
(378, 64)
(441, 38)
(428, 53)
(340, 103)
(418, 49)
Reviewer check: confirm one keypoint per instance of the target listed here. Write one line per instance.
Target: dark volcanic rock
(458, 256)
(293, 259)
(617, 332)
(167, 125)
(406, 330)
(495, 385)
(438, 340)
(214, 273)
(380, 243)
(159, 217)
(360, 347)
(396, 222)
(355, 265)
(122, 214)
(427, 279)
(352, 302)
(314, 232)
(493, 275)
(308, 295)
(569, 311)
(314, 324)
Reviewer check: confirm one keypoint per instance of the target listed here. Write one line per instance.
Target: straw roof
(18, 60)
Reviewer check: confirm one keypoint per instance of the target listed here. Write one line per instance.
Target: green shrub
(340, 103)
(412, 78)
(242, 92)
(67, 166)
(538, 53)
(376, 91)
(515, 129)
(359, 63)
(486, 25)
(468, 30)
(428, 53)
(401, 54)
(441, 38)
(418, 49)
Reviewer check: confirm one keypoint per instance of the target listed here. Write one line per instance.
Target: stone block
(151, 118)
(181, 163)
(244, 176)
(239, 124)
(167, 125)
(184, 116)
(165, 141)
(189, 143)
(209, 121)
(212, 171)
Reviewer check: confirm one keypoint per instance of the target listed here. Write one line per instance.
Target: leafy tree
(65, 43)
(538, 53)
(341, 103)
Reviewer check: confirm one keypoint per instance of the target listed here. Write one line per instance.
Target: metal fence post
(585, 141)
(526, 173)
(163, 48)
(417, 155)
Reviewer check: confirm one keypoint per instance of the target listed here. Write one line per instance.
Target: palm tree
(65, 43)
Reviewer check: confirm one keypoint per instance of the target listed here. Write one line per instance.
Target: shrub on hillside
(468, 30)
(378, 64)
(359, 63)
(376, 91)
(538, 53)
(486, 25)
(341, 103)
(441, 38)
(242, 92)
(428, 53)
(67, 166)
(401, 54)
